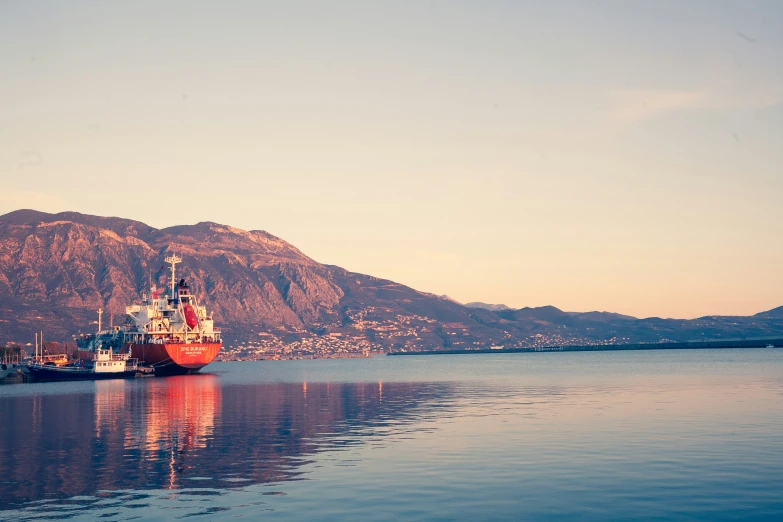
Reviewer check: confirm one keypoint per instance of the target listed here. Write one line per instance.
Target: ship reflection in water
(90, 449)
(176, 418)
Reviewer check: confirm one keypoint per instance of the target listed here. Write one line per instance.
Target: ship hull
(55, 374)
(175, 358)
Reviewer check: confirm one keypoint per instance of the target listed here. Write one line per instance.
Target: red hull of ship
(175, 358)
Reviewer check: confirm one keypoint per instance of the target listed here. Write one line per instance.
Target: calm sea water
(663, 435)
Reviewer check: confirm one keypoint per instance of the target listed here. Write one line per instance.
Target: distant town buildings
(367, 333)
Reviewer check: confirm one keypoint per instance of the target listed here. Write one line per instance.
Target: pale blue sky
(623, 156)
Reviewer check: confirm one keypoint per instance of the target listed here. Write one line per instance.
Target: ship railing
(59, 358)
(73, 369)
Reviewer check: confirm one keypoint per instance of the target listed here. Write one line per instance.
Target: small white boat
(770, 346)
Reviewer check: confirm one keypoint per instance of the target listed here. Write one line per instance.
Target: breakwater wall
(690, 345)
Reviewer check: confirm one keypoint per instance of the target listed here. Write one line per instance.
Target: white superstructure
(106, 361)
(173, 318)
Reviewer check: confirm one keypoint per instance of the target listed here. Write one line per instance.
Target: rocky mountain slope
(57, 269)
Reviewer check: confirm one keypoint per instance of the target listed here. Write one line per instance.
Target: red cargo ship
(171, 333)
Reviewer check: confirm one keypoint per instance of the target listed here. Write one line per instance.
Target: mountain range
(57, 269)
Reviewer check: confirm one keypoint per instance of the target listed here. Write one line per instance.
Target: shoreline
(689, 345)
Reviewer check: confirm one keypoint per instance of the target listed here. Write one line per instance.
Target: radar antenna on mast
(173, 259)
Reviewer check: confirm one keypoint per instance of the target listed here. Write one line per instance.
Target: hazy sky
(623, 156)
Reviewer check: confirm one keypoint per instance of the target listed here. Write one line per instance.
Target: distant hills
(57, 269)
(485, 306)
(775, 313)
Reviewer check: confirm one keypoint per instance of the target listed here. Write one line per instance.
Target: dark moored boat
(105, 365)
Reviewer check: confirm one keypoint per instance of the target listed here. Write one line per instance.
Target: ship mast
(100, 312)
(173, 260)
